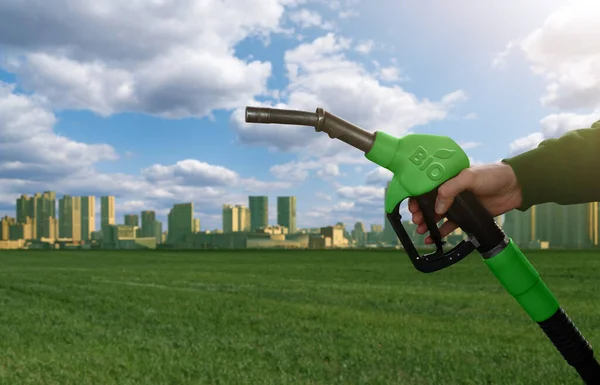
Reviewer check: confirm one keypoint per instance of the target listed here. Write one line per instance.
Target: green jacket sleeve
(565, 170)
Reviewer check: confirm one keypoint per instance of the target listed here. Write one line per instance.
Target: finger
(422, 226)
(447, 227)
(413, 206)
(417, 218)
(450, 189)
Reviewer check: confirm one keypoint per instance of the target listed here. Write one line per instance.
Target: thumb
(450, 189)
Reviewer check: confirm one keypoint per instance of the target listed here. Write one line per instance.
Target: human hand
(495, 185)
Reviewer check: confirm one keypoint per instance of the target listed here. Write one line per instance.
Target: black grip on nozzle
(572, 345)
(474, 219)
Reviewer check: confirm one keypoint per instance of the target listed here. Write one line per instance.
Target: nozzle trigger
(439, 259)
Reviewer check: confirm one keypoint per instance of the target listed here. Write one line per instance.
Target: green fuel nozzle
(420, 164)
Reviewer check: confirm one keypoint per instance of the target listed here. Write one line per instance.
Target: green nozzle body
(419, 162)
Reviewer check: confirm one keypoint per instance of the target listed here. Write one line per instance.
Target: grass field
(273, 317)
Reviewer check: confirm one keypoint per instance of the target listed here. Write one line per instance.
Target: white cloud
(30, 149)
(379, 176)
(365, 47)
(173, 59)
(566, 51)
(307, 18)
(191, 172)
(321, 75)
(469, 145)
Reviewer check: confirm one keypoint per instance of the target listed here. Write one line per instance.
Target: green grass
(274, 317)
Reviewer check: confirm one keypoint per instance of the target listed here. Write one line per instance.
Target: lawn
(276, 317)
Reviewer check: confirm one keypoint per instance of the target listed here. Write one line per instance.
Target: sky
(144, 100)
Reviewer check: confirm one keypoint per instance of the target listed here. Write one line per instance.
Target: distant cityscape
(40, 223)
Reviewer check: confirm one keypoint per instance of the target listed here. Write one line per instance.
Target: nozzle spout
(275, 115)
(321, 120)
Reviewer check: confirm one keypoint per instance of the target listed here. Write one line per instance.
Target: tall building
(148, 218)
(196, 225)
(157, 231)
(243, 218)
(88, 217)
(181, 222)
(286, 213)
(107, 211)
(359, 234)
(259, 212)
(41, 209)
(131, 220)
(6, 224)
(69, 214)
(230, 218)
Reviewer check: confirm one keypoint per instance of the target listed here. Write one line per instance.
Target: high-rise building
(243, 218)
(131, 220)
(41, 209)
(88, 217)
(230, 219)
(181, 222)
(22, 230)
(148, 218)
(196, 225)
(259, 212)
(286, 213)
(107, 211)
(6, 224)
(157, 231)
(69, 214)
(359, 234)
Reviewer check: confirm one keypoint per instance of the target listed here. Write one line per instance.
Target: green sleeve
(565, 170)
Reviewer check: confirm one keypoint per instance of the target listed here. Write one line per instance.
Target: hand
(495, 185)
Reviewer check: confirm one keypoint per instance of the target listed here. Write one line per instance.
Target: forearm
(564, 170)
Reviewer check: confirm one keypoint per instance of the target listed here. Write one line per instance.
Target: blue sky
(144, 102)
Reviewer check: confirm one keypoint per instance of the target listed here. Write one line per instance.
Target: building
(107, 212)
(230, 219)
(131, 220)
(558, 226)
(181, 222)
(244, 218)
(157, 231)
(359, 234)
(286, 213)
(6, 224)
(196, 225)
(259, 212)
(88, 218)
(69, 215)
(41, 208)
(236, 218)
(335, 234)
(148, 218)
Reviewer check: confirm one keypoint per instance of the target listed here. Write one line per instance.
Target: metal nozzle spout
(321, 120)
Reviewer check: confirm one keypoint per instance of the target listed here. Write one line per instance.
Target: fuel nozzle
(321, 120)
